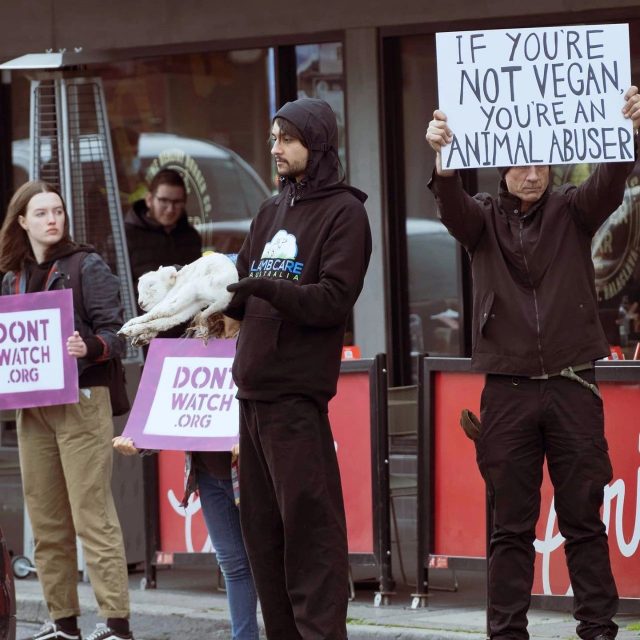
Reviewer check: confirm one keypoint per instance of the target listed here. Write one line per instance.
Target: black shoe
(51, 631)
(604, 636)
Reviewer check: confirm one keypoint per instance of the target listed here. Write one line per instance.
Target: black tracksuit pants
(524, 420)
(293, 521)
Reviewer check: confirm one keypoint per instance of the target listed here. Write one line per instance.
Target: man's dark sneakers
(51, 631)
(604, 636)
(102, 632)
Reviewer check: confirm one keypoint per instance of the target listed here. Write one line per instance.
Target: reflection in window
(615, 251)
(320, 75)
(204, 114)
(615, 248)
(434, 299)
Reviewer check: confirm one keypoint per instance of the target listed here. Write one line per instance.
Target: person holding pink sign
(65, 450)
(209, 473)
(536, 335)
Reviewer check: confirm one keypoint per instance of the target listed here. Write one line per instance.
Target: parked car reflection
(434, 303)
(224, 191)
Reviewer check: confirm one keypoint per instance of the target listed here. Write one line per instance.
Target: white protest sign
(186, 399)
(35, 368)
(31, 351)
(192, 395)
(551, 95)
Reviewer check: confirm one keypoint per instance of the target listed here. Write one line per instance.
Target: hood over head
(503, 172)
(317, 123)
(502, 185)
(62, 249)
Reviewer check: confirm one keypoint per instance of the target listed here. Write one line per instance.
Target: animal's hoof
(200, 332)
(140, 341)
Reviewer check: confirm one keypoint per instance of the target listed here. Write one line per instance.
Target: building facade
(215, 73)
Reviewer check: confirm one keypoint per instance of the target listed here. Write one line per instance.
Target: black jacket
(309, 249)
(535, 309)
(101, 301)
(150, 246)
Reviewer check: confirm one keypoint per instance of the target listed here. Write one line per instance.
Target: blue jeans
(222, 518)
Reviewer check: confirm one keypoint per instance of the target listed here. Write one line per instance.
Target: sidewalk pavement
(187, 605)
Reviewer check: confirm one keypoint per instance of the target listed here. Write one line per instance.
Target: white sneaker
(102, 632)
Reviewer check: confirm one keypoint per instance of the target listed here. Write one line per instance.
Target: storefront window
(320, 75)
(206, 114)
(616, 247)
(434, 299)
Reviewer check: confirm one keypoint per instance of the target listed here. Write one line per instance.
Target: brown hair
(170, 177)
(287, 128)
(14, 241)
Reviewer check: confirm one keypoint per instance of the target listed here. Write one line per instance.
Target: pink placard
(187, 398)
(35, 368)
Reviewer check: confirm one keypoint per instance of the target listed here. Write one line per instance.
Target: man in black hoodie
(301, 270)
(157, 229)
(536, 334)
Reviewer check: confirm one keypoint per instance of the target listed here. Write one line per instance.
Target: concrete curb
(173, 622)
(360, 632)
(187, 606)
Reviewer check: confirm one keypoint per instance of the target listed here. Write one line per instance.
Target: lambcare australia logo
(194, 180)
(278, 258)
(616, 245)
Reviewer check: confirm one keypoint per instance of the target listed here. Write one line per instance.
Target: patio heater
(70, 147)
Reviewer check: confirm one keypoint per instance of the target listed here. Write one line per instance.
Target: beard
(290, 170)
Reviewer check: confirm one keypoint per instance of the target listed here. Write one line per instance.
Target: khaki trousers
(66, 463)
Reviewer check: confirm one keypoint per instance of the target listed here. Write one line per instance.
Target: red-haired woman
(65, 450)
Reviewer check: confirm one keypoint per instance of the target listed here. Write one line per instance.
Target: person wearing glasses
(157, 228)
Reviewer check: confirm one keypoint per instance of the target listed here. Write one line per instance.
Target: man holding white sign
(536, 335)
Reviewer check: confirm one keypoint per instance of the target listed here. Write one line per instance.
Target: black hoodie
(150, 246)
(309, 247)
(100, 298)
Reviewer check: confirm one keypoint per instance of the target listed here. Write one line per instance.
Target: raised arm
(459, 212)
(439, 135)
(602, 192)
